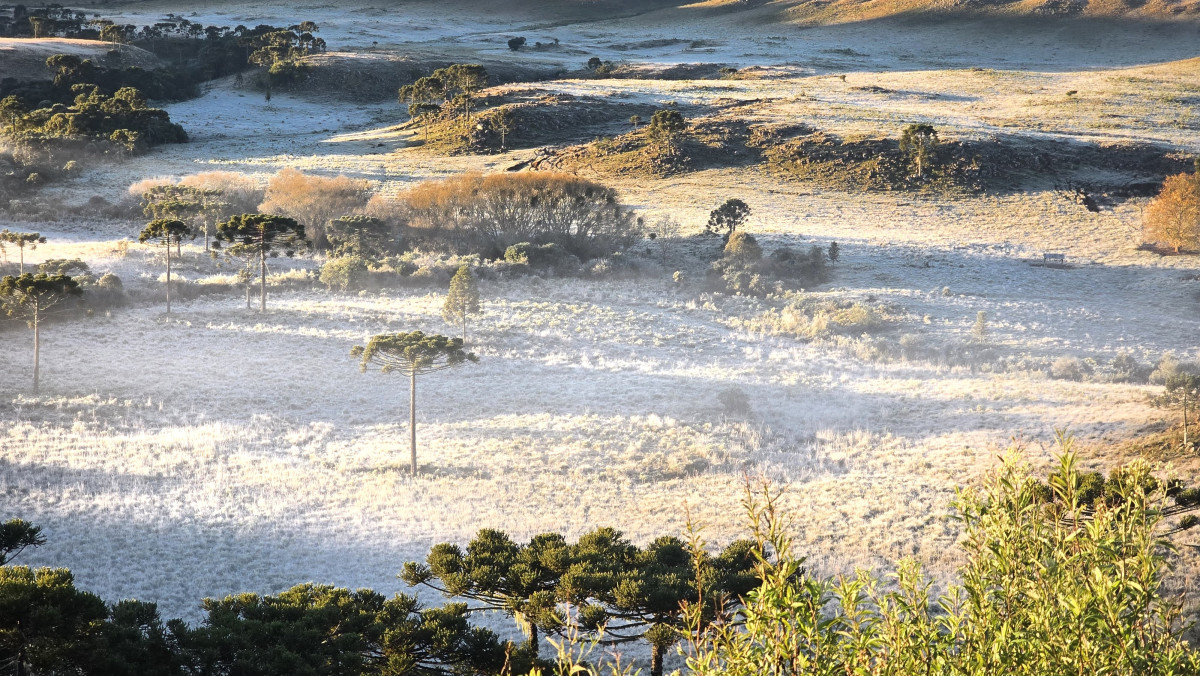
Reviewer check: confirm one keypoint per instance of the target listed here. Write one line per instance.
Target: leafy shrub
(1069, 368)
(1124, 368)
(1019, 606)
(344, 273)
(1169, 366)
(734, 401)
(72, 267)
(808, 268)
(812, 318)
(516, 43)
(541, 257)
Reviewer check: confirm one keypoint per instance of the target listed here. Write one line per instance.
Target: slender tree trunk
(37, 347)
(1185, 422)
(21, 662)
(248, 305)
(262, 280)
(464, 328)
(168, 277)
(534, 646)
(656, 660)
(412, 420)
(22, 249)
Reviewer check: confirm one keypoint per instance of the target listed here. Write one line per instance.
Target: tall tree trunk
(412, 420)
(464, 328)
(22, 248)
(262, 280)
(37, 347)
(1185, 422)
(534, 646)
(656, 660)
(168, 276)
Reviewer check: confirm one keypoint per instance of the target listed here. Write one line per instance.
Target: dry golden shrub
(314, 200)
(241, 192)
(489, 212)
(1173, 218)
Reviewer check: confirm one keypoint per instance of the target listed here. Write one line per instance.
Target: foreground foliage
(1053, 584)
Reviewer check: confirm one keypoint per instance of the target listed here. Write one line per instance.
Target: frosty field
(222, 450)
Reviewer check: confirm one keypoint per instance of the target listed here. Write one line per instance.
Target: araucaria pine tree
(31, 297)
(412, 354)
(166, 232)
(255, 236)
(463, 299)
(22, 240)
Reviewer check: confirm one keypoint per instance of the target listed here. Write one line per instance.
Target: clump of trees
(412, 354)
(1173, 217)
(486, 214)
(619, 592)
(727, 218)
(742, 267)
(121, 121)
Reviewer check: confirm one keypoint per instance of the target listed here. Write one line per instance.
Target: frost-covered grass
(226, 450)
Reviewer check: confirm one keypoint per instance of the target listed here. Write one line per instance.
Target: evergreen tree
(15, 537)
(1180, 390)
(920, 142)
(166, 232)
(255, 236)
(728, 217)
(363, 236)
(22, 240)
(498, 574)
(31, 297)
(412, 354)
(463, 299)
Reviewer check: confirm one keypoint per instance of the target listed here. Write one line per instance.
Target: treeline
(1059, 576)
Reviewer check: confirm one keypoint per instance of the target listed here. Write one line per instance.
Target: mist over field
(856, 249)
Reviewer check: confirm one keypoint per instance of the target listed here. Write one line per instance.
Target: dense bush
(344, 273)
(486, 214)
(1052, 583)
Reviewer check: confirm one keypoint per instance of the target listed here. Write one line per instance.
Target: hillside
(25, 58)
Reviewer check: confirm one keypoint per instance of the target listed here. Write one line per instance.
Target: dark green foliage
(498, 574)
(47, 626)
(460, 82)
(363, 236)
(834, 252)
(412, 353)
(16, 536)
(516, 43)
(594, 63)
(256, 236)
(728, 217)
(920, 142)
(665, 127)
(320, 630)
(633, 593)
